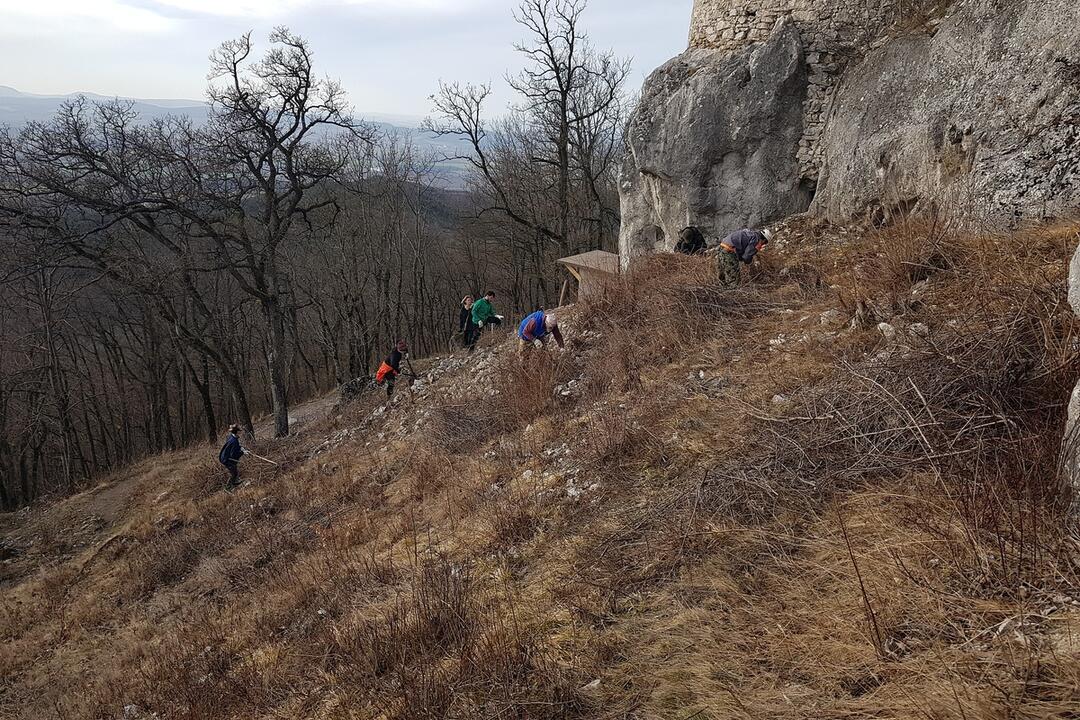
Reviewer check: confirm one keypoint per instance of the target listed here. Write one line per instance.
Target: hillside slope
(752, 503)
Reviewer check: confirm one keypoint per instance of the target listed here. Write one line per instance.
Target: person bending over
(535, 329)
(741, 246)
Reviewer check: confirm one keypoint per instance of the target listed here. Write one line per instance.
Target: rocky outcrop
(714, 142)
(970, 106)
(979, 114)
(1071, 453)
(832, 31)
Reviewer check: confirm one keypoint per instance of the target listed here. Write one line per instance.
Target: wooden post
(562, 293)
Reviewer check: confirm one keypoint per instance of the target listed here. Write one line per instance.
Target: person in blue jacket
(231, 453)
(535, 329)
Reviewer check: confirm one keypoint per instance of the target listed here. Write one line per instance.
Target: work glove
(246, 452)
(538, 343)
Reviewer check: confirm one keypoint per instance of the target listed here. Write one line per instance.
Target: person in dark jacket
(466, 326)
(691, 241)
(391, 367)
(535, 329)
(231, 453)
(483, 314)
(741, 246)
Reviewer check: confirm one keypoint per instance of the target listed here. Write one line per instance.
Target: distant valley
(18, 108)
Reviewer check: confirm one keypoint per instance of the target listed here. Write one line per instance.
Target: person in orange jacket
(391, 367)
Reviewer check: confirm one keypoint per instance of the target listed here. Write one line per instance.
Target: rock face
(832, 32)
(1072, 427)
(714, 142)
(979, 115)
(970, 106)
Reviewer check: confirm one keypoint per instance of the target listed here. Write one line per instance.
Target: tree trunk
(203, 386)
(240, 397)
(275, 361)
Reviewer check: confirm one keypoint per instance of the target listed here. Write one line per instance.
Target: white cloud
(81, 15)
(277, 8)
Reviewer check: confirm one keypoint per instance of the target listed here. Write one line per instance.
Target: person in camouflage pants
(739, 247)
(728, 266)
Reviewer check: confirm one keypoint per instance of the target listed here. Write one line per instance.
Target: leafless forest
(161, 279)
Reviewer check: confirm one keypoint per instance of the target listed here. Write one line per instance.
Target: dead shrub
(442, 605)
(424, 693)
(636, 546)
(380, 571)
(513, 520)
(664, 307)
(426, 470)
(617, 436)
(450, 648)
(979, 406)
(522, 390)
(898, 257)
(436, 615)
(806, 275)
(462, 427)
(617, 367)
(526, 386)
(610, 434)
(196, 675)
(160, 562)
(513, 672)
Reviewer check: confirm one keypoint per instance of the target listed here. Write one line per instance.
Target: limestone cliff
(715, 141)
(969, 104)
(980, 115)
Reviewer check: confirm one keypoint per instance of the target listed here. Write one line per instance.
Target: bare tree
(268, 120)
(549, 167)
(238, 185)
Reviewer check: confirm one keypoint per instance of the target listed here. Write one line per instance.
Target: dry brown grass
(887, 542)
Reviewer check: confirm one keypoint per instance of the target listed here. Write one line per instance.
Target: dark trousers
(470, 334)
(391, 380)
(234, 473)
(477, 331)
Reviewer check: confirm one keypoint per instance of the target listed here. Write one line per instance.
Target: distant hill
(18, 108)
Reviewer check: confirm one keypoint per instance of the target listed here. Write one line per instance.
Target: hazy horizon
(388, 54)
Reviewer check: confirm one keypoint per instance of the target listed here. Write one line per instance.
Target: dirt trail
(300, 416)
(61, 530)
(94, 515)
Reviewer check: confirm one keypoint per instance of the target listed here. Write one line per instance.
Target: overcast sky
(389, 54)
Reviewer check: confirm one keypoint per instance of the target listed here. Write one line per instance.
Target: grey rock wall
(714, 142)
(832, 33)
(980, 115)
(1072, 428)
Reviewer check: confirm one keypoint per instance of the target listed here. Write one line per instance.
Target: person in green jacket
(483, 314)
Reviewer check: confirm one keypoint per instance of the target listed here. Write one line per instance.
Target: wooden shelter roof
(598, 260)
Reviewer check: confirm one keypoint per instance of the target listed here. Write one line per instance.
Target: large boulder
(714, 143)
(1071, 462)
(977, 115)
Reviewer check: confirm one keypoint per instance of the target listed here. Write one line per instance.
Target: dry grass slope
(723, 504)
